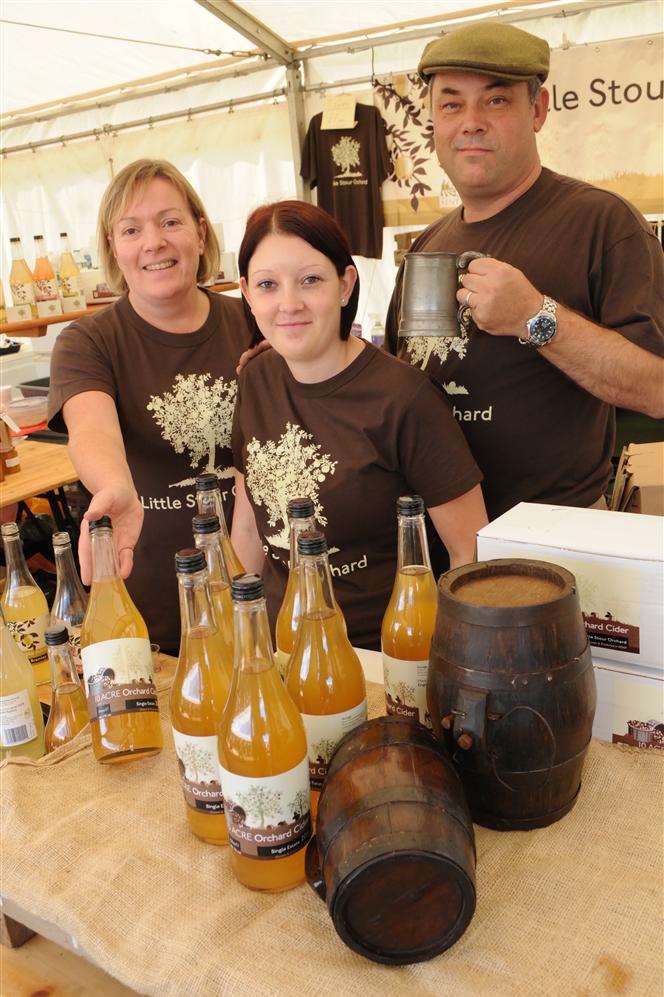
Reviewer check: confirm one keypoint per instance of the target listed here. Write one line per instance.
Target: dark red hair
(313, 225)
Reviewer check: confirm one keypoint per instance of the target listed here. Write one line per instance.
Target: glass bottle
(21, 720)
(117, 661)
(208, 498)
(410, 617)
(68, 270)
(3, 307)
(207, 537)
(300, 518)
(325, 677)
(71, 599)
(69, 712)
(11, 462)
(198, 697)
(24, 605)
(263, 754)
(21, 281)
(46, 285)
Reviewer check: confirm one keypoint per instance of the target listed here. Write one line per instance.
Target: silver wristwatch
(542, 327)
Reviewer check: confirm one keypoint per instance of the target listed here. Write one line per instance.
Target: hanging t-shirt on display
(348, 165)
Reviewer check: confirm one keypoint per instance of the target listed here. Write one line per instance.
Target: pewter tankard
(429, 304)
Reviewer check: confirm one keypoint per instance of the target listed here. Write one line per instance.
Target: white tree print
(196, 416)
(260, 803)
(275, 472)
(346, 153)
(422, 348)
(198, 762)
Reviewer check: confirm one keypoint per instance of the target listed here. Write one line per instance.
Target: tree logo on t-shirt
(346, 153)
(196, 416)
(421, 349)
(277, 472)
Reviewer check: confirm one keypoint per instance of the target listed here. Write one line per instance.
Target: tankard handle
(465, 258)
(464, 314)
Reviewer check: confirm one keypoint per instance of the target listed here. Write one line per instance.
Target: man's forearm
(607, 365)
(99, 460)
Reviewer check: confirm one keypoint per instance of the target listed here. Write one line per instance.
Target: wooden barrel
(511, 689)
(394, 852)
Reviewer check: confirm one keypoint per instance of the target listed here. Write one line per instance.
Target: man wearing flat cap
(569, 300)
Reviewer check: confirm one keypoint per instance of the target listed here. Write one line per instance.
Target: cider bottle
(410, 617)
(208, 498)
(24, 605)
(68, 270)
(198, 697)
(325, 677)
(21, 720)
(46, 284)
(207, 537)
(21, 281)
(71, 599)
(117, 661)
(69, 712)
(263, 754)
(300, 518)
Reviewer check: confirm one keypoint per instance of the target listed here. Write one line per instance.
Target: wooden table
(45, 467)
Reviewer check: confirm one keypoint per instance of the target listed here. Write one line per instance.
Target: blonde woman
(146, 388)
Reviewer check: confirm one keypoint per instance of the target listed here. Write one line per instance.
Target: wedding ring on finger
(468, 296)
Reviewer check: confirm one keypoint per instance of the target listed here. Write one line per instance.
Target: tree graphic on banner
(346, 153)
(197, 416)
(261, 802)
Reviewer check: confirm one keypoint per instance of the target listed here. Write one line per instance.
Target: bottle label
(118, 677)
(17, 724)
(282, 658)
(70, 287)
(46, 290)
(200, 772)
(29, 636)
(406, 688)
(324, 731)
(268, 817)
(23, 294)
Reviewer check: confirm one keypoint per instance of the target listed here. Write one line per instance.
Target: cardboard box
(625, 696)
(46, 309)
(639, 484)
(617, 559)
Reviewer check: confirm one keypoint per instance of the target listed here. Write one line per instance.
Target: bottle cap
(103, 523)
(206, 482)
(63, 234)
(15, 238)
(311, 542)
(205, 524)
(410, 505)
(9, 530)
(246, 588)
(56, 635)
(189, 560)
(61, 540)
(300, 508)
(38, 237)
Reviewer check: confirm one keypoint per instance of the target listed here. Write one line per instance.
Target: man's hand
(502, 299)
(122, 504)
(250, 354)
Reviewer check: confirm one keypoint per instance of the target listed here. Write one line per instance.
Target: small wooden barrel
(394, 852)
(511, 689)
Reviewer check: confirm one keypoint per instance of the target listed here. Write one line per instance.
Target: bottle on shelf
(325, 678)
(21, 720)
(117, 661)
(9, 458)
(3, 307)
(71, 599)
(69, 712)
(263, 754)
(69, 274)
(208, 539)
(301, 518)
(410, 617)
(21, 281)
(46, 284)
(24, 605)
(198, 697)
(208, 499)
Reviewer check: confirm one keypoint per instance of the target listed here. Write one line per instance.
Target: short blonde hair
(120, 192)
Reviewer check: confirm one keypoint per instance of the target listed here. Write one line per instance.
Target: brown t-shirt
(349, 165)
(538, 436)
(353, 444)
(175, 395)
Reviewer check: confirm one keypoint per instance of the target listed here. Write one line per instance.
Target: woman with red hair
(327, 415)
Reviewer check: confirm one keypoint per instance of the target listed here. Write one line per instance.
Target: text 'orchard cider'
(198, 697)
(117, 661)
(300, 518)
(21, 720)
(208, 498)
(263, 754)
(325, 677)
(24, 605)
(69, 711)
(71, 599)
(208, 539)
(410, 617)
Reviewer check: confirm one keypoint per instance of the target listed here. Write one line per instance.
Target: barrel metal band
(504, 681)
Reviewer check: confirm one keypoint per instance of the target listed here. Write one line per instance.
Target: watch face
(542, 328)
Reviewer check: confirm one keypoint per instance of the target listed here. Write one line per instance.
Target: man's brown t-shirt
(349, 165)
(537, 435)
(175, 396)
(353, 444)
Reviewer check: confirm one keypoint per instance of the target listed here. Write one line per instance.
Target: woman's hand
(122, 504)
(245, 538)
(250, 354)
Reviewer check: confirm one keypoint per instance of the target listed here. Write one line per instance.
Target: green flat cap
(497, 49)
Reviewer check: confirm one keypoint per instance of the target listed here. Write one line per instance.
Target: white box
(19, 313)
(624, 696)
(46, 309)
(75, 303)
(617, 559)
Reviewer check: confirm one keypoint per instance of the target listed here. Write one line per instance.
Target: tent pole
(296, 120)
